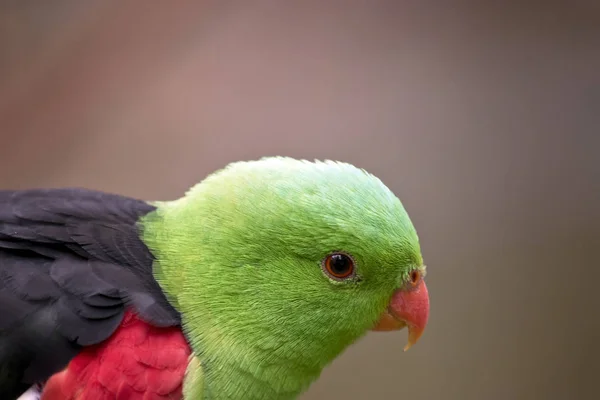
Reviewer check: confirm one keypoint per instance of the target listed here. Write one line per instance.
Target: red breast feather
(138, 362)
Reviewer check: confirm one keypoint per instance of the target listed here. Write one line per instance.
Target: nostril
(415, 277)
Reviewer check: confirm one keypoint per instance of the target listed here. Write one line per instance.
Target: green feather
(240, 257)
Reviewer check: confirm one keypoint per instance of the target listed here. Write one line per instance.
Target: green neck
(252, 361)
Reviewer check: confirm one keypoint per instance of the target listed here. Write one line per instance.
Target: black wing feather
(71, 262)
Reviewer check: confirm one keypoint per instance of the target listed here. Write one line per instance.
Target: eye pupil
(339, 265)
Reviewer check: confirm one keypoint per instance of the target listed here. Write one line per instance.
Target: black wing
(71, 261)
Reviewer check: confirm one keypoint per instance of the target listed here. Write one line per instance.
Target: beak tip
(414, 334)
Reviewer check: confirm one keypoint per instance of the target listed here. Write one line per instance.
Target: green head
(278, 265)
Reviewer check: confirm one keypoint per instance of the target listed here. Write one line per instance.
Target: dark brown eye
(415, 277)
(339, 265)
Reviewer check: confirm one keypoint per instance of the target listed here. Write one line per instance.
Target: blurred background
(484, 118)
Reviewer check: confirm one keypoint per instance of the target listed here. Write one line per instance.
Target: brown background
(483, 118)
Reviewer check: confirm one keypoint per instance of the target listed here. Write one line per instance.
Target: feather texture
(71, 263)
(138, 362)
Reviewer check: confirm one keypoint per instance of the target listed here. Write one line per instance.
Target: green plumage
(240, 257)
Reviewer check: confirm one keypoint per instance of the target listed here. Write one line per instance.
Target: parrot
(246, 287)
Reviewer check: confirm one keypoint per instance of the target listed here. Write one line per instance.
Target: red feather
(138, 362)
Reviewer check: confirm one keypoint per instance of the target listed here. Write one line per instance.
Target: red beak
(408, 307)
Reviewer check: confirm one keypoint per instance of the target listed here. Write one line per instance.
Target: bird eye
(415, 277)
(339, 266)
